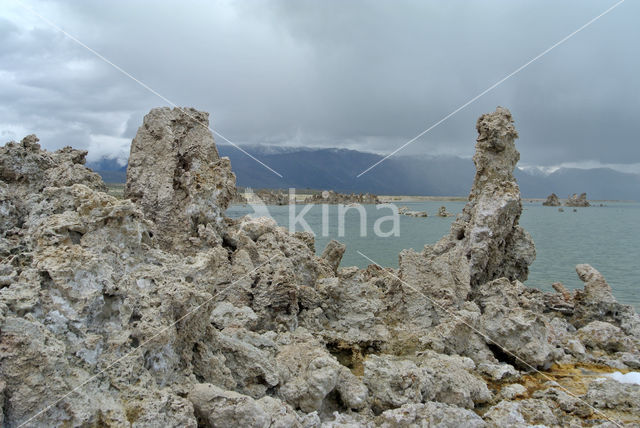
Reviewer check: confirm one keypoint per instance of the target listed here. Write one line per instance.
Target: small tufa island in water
(158, 310)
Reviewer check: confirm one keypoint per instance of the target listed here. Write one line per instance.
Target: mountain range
(336, 169)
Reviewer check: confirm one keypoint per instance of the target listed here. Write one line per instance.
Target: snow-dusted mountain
(409, 175)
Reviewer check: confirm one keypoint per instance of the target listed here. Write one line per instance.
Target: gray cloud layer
(367, 75)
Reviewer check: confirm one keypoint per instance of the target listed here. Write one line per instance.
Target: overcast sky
(367, 75)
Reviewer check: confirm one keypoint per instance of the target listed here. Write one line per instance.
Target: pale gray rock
(226, 315)
(522, 334)
(29, 169)
(393, 382)
(412, 213)
(611, 394)
(596, 303)
(215, 407)
(443, 278)
(308, 374)
(458, 334)
(268, 197)
(429, 414)
(453, 380)
(512, 391)
(568, 403)
(333, 253)
(351, 312)
(500, 371)
(177, 177)
(442, 212)
(9, 214)
(604, 336)
(495, 205)
(332, 197)
(238, 322)
(485, 241)
(516, 414)
(596, 288)
(578, 201)
(552, 201)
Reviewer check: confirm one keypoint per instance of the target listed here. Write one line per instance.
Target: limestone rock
(268, 197)
(404, 210)
(178, 316)
(308, 374)
(9, 214)
(332, 197)
(605, 336)
(485, 241)
(457, 334)
(552, 201)
(596, 303)
(515, 390)
(30, 169)
(333, 253)
(513, 414)
(176, 175)
(442, 212)
(578, 201)
(596, 289)
(215, 407)
(568, 403)
(394, 382)
(442, 277)
(611, 394)
(429, 414)
(510, 326)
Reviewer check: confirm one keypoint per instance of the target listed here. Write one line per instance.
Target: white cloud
(360, 75)
(107, 146)
(629, 168)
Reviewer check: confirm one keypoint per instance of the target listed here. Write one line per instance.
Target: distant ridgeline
(336, 169)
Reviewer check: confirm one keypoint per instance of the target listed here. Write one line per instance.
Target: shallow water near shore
(606, 237)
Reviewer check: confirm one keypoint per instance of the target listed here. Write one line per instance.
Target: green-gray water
(606, 237)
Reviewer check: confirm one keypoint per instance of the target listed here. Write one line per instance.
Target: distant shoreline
(117, 189)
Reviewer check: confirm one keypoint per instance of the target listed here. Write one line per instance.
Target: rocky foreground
(157, 310)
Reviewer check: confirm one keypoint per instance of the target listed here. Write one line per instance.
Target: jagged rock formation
(333, 253)
(177, 177)
(331, 197)
(442, 212)
(578, 201)
(404, 210)
(239, 323)
(485, 242)
(279, 197)
(552, 201)
(268, 197)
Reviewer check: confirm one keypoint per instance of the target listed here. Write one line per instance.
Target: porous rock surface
(552, 201)
(576, 200)
(157, 310)
(332, 197)
(485, 241)
(177, 178)
(442, 212)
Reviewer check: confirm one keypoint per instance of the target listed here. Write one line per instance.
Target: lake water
(608, 238)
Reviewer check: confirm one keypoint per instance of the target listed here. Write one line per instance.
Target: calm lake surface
(606, 237)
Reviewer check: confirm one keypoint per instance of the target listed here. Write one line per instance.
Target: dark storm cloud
(368, 75)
